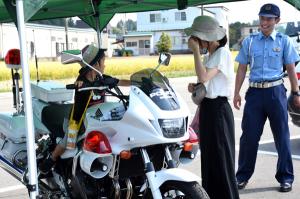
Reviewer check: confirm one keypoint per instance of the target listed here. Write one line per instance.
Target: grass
(121, 67)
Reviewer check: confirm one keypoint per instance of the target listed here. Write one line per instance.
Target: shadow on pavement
(270, 147)
(257, 190)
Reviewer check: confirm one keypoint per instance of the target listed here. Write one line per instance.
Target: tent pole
(32, 186)
(98, 29)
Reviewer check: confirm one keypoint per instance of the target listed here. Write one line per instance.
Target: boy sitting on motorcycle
(87, 77)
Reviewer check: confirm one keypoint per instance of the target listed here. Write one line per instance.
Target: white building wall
(168, 21)
(174, 28)
(136, 39)
(10, 39)
(49, 39)
(1, 41)
(135, 49)
(221, 14)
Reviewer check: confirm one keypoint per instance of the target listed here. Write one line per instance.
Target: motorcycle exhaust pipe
(129, 189)
(117, 189)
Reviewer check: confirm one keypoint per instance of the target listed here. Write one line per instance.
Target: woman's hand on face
(193, 45)
(191, 87)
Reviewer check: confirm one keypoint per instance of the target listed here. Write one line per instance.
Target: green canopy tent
(86, 9)
(96, 13)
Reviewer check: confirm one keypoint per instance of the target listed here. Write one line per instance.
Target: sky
(244, 11)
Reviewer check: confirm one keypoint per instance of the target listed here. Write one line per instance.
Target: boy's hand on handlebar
(78, 84)
(110, 82)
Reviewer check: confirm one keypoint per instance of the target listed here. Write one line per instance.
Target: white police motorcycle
(128, 147)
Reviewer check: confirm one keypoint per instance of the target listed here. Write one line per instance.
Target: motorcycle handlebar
(71, 86)
(93, 88)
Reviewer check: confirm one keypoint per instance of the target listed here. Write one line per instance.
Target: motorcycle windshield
(157, 87)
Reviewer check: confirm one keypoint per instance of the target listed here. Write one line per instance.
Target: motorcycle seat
(53, 117)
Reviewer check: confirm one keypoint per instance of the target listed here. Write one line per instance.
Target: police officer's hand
(237, 101)
(297, 101)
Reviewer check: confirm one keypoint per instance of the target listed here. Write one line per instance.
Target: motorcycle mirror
(71, 56)
(12, 59)
(164, 58)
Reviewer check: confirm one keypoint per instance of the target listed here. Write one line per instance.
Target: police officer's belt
(266, 84)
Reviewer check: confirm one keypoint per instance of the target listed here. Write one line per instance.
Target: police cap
(269, 10)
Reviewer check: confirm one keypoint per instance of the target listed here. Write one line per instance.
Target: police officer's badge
(268, 7)
(276, 49)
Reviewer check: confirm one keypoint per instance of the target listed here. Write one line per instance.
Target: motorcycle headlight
(172, 128)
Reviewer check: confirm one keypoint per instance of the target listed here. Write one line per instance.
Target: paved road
(262, 185)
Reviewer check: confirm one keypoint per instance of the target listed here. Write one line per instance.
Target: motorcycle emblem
(162, 94)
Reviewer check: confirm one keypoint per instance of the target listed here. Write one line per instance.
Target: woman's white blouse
(222, 83)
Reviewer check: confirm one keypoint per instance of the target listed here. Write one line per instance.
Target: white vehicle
(129, 147)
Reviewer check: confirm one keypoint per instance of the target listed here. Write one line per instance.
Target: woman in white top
(216, 117)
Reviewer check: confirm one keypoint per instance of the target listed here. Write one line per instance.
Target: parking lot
(262, 185)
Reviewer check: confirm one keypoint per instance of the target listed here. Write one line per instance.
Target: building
(247, 30)
(151, 25)
(48, 41)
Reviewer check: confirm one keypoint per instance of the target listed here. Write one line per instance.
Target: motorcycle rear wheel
(186, 190)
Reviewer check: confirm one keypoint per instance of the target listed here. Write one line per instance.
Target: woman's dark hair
(222, 42)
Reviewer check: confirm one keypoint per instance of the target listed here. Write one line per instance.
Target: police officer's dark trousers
(263, 103)
(217, 149)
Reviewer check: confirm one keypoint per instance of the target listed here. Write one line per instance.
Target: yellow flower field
(180, 65)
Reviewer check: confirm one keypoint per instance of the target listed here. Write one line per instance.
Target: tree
(235, 32)
(120, 25)
(164, 44)
(130, 25)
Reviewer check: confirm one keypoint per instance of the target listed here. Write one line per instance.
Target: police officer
(266, 52)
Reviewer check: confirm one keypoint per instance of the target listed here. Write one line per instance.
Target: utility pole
(124, 25)
(66, 32)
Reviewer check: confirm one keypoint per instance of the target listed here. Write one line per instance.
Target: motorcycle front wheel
(181, 190)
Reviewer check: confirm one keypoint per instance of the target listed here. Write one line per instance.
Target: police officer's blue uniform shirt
(266, 55)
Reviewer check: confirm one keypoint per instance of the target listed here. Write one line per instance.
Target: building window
(155, 18)
(131, 44)
(180, 16)
(144, 43)
(147, 43)
(74, 39)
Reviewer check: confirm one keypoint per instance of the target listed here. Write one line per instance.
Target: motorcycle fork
(150, 174)
(170, 161)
